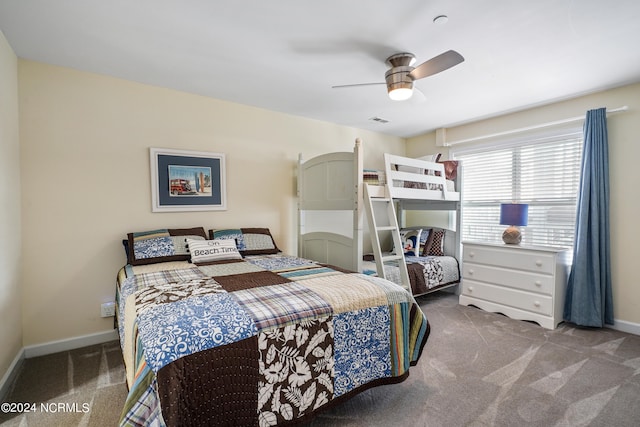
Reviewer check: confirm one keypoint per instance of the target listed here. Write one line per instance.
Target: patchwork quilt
(266, 340)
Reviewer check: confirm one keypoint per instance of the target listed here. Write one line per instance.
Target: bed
(222, 328)
(331, 214)
(433, 266)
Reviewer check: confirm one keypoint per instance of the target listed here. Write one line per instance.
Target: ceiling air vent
(379, 120)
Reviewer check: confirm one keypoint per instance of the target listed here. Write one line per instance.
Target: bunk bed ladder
(388, 224)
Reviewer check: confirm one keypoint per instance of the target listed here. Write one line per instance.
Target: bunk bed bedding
(378, 177)
(263, 340)
(428, 255)
(425, 273)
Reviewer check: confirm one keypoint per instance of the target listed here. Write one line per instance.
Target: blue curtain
(588, 300)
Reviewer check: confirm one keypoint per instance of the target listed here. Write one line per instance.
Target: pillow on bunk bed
(435, 243)
(410, 241)
(249, 241)
(450, 169)
(161, 245)
(424, 239)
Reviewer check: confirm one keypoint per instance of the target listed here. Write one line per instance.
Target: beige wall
(10, 240)
(85, 142)
(624, 152)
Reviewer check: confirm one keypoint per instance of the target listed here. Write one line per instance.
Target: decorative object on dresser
(522, 282)
(514, 215)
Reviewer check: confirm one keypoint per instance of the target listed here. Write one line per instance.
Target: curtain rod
(528, 128)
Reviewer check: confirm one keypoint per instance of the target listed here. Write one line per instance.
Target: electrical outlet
(108, 309)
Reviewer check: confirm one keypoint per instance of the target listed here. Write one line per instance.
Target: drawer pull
(470, 288)
(539, 263)
(536, 303)
(538, 283)
(471, 272)
(472, 254)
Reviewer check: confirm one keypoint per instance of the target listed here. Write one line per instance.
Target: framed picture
(187, 181)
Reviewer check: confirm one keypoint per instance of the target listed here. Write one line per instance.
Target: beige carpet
(478, 369)
(83, 387)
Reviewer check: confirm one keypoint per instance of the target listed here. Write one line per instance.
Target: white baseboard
(624, 326)
(70, 343)
(11, 374)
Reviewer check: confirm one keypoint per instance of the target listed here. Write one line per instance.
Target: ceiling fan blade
(436, 64)
(357, 84)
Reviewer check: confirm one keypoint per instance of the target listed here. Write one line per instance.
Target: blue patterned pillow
(162, 245)
(153, 248)
(232, 233)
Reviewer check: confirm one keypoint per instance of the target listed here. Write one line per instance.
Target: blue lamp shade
(514, 214)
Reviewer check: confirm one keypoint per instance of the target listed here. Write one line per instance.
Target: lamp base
(512, 236)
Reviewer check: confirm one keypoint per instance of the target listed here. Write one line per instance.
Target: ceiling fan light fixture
(399, 83)
(400, 93)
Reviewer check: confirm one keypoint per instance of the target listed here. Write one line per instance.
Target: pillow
(434, 158)
(249, 241)
(424, 238)
(162, 245)
(450, 169)
(125, 243)
(232, 233)
(212, 250)
(435, 243)
(410, 241)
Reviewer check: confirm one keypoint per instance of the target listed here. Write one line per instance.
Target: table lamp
(514, 215)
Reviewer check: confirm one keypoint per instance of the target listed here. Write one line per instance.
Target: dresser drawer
(531, 282)
(535, 303)
(513, 258)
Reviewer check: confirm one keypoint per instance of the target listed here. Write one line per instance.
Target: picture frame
(184, 180)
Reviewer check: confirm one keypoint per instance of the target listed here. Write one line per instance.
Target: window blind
(543, 171)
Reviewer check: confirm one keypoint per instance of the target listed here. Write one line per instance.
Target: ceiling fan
(400, 77)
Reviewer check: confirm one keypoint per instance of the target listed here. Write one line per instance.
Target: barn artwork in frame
(183, 181)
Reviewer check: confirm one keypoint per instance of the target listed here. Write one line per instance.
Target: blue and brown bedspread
(267, 340)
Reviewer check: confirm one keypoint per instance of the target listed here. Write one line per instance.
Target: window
(543, 172)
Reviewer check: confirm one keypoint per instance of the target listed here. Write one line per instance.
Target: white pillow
(212, 250)
(410, 241)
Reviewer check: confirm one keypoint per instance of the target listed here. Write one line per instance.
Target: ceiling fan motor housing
(399, 78)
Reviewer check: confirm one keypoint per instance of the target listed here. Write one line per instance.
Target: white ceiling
(285, 55)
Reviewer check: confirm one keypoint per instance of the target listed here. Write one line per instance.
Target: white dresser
(522, 282)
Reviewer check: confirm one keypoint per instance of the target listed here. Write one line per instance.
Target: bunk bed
(330, 186)
(335, 182)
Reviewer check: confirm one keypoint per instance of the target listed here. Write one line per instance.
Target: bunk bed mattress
(425, 273)
(266, 340)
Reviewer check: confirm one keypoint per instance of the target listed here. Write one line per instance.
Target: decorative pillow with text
(212, 250)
